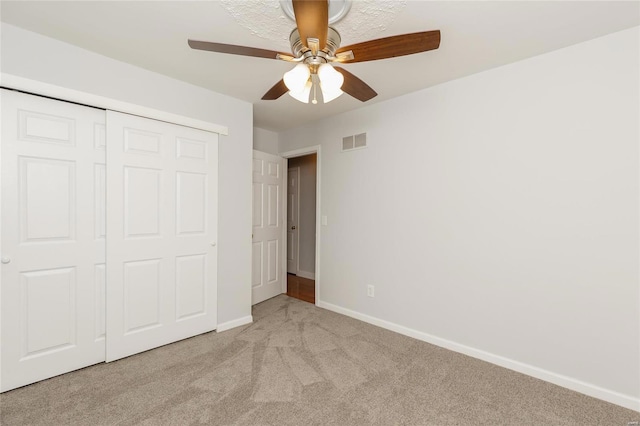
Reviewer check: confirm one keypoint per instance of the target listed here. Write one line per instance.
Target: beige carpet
(301, 365)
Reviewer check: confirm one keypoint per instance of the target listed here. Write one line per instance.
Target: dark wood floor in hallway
(301, 288)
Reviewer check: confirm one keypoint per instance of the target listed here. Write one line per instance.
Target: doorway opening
(301, 229)
(301, 288)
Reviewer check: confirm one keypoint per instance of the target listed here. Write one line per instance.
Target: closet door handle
(5, 260)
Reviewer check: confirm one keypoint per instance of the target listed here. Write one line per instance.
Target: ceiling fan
(315, 47)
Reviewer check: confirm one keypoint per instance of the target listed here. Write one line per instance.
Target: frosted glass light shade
(330, 79)
(302, 95)
(297, 78)
(328, 96)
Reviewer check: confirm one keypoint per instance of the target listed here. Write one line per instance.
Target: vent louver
(347, 143)
(358, 141)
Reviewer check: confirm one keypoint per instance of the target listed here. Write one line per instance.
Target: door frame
(315, 149)
(297, 271)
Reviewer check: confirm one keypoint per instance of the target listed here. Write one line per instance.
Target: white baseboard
(307, 275)
(567, 382)
(234, 323)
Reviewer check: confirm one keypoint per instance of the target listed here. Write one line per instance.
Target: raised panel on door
(257, 204)
(99, 136)
(161, 238)
(273, 205)
(191, 289)
(142, 193)
(273, 167)
(258, 167)
(257, 277)
(52, 238)
(192, 149)
(100, 283)
(49, 308)
(138, 141)
(191, 203)
(273, 261)
(47, 199)
(267, 278)
(291, 249)
(36, 126)
(142, 286)
(100, 201)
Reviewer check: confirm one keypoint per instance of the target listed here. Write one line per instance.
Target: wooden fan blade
(235, 50)
(276, 91)
(312, 19)
(390, 47)
(355, 87)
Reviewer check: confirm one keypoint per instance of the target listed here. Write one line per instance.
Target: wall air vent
(347, 143)
(358, 141)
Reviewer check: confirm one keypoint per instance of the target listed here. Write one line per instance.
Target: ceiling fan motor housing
(300, 50)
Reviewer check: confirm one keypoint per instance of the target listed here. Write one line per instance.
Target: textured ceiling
(266, 19)
(476, 36)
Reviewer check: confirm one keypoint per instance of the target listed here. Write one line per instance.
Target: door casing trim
(315, 149)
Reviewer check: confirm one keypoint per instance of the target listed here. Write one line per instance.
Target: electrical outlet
(371, 291)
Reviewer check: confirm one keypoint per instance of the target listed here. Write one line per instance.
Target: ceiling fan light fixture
(297, 78)
(302, 95)
(315, 45)
(331, 82)
(330, 79)
(328, 96)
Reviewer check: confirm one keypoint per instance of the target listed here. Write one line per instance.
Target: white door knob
(5, 260)
(213, 244)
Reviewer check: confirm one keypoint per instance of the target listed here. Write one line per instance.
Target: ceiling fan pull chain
(315, 85)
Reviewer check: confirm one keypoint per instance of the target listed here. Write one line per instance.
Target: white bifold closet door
(52, 238)
(161, 233)
(107, 236)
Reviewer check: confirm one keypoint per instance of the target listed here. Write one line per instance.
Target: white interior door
(293, 207)
(161, 239)
(53, 238)
(266, 275)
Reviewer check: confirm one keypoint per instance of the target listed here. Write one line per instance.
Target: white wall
(307, 222)
(30, 55)
(265, 141)
(497, 214)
